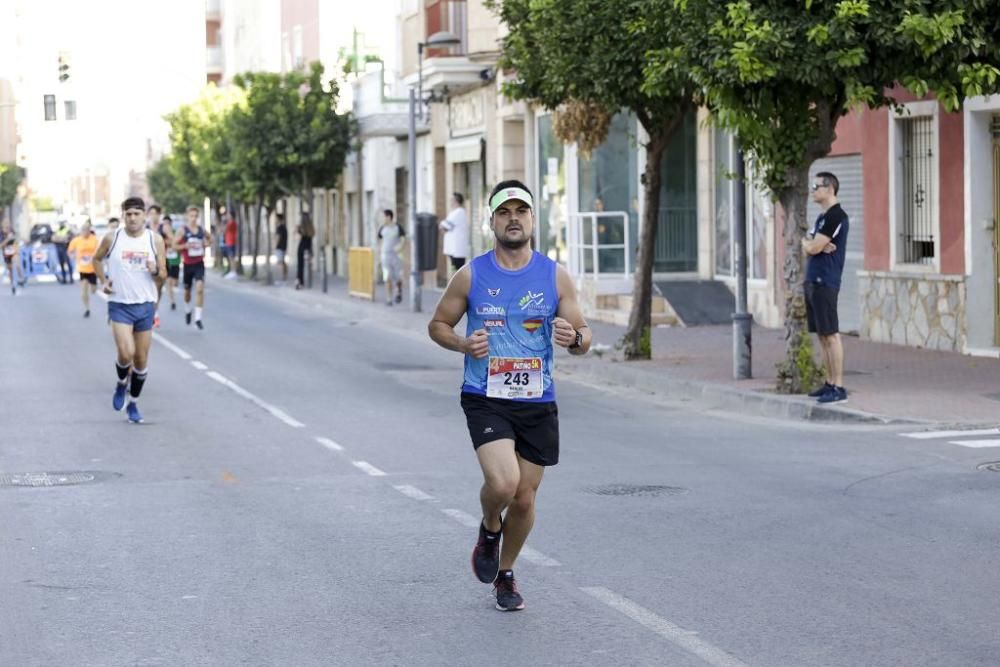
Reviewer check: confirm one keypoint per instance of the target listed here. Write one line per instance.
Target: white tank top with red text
(131, 280)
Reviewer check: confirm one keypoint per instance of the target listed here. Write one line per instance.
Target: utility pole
(414, 246)
(742, 320)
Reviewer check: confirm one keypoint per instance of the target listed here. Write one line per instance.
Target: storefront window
(609, 181)
(551, 195)
(759, 212)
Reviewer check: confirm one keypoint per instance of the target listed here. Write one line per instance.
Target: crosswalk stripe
(975, 443)
(929, 435)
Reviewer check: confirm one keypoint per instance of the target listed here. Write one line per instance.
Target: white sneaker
(230, 276)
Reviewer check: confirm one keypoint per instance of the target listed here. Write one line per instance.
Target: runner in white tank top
(136, 265)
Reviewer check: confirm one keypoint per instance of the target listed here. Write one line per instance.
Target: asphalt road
(304, 493)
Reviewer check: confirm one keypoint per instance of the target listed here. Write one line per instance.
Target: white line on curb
(412, 492)
(975, 443)
(928, 435)
(170, 346)
(275, 412)
(200, 366)
(368, 468)
(685, 639)
(329, 444)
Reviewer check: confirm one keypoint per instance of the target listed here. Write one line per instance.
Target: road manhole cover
(990, 467)
(49, 478)
(646, 490)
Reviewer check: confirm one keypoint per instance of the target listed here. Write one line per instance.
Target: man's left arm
(161, 260)
(569, 317)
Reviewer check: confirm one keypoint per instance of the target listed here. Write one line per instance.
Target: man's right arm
(99, 255)
(449, 312)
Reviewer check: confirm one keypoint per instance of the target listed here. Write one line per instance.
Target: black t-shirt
(827, 268)
(282, 232)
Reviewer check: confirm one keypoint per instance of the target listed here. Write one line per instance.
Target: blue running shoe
(133, 413)
(118, 402)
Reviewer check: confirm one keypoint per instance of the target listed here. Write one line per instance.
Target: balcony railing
(213, 58)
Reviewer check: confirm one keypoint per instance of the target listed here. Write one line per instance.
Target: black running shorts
(174, 271)
(193, 273)
(821, 309)
(88, 278)
(534, 427)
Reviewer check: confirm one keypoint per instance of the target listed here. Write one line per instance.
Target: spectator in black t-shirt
(281, 247)
(306, 232)
(826, 249)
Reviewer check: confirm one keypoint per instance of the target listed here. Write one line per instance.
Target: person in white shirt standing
(136, 265)
(456, 232)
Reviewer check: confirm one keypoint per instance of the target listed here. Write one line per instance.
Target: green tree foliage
(781, 73)
(11, 176)
(584, 59)
(166, 189)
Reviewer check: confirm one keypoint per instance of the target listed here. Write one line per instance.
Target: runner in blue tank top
(517, 303)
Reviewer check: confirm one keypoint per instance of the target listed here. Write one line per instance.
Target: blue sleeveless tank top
(516, 308)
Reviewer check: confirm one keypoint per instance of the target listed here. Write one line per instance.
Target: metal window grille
(918, 191)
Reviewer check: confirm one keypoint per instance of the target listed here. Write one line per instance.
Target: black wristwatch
(578, 341)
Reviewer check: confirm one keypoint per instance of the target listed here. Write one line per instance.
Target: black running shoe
(822, 391)
(508, 599)
(198, 324)
(486, 555)
(86, 313)
(173, 306)
(187, 318)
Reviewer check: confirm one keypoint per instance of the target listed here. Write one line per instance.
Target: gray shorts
(392, 269)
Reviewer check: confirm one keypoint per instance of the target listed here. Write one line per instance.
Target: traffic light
(63, 68)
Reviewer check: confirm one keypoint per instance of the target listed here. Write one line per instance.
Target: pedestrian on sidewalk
(82, 249)
(230, 236)
(456, 232)
(306, 232)
(517, 302)
(11, 256)
(391, 236)
(136, 261)
(826, 250)
(61, 239)
(281, 246)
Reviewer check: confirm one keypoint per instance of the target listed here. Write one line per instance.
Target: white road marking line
(975, 443)
(275, 412)
(368, 468)
(200, 366)
(170, 346)
(412, 492)
(538, 558)
(329, 444)
(928, 435)
(462, 517)
(529, 554)
(685, 639)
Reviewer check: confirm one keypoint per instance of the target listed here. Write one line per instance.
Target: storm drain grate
(993, 466)
(46, 478)
(646, 490)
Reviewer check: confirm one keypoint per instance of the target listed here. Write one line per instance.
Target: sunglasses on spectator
(816, 186)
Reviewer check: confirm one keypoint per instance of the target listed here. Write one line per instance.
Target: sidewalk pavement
(886, 383)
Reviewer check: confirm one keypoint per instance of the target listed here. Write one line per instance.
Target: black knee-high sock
(122, 371)
(138, 379)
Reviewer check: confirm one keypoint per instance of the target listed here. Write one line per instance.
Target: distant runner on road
(517, 302)
(135, 257)
(82, 249)
(192, 240)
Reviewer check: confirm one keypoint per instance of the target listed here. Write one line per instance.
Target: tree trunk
(798, 373)
(256, 237)
(269, 274)
(636, 341)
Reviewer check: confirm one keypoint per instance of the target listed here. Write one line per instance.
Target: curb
(714, 396)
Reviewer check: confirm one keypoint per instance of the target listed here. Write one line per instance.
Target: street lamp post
(441, 39)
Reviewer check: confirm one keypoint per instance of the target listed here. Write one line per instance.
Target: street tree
(11, 176)
(781, 73)
(166, 188)
(584, 60)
